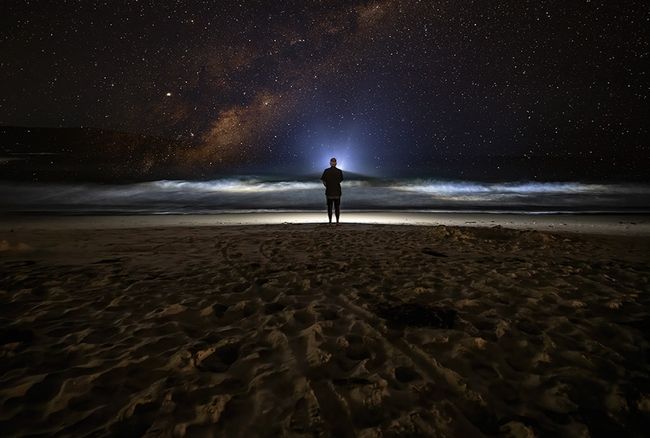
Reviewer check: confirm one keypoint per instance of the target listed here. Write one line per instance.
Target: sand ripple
(316, 330)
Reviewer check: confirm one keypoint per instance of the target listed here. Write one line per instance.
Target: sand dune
(302, 330)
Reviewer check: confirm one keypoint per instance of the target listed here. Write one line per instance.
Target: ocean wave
(256, 192)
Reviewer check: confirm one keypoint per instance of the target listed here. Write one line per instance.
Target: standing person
(332, 178)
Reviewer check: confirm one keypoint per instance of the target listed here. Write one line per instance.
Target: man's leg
(337, 207)
(329, 208)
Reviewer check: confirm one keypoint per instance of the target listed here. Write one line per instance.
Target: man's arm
(322, 178)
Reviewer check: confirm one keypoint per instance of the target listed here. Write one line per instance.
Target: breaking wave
(260, 193)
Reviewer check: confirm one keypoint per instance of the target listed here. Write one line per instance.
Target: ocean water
(257, 193)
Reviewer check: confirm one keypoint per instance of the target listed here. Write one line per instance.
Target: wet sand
(164, 326)
(611, 224)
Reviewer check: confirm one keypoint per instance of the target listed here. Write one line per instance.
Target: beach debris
(418, 315)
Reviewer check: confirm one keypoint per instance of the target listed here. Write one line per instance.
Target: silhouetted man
(332, 178)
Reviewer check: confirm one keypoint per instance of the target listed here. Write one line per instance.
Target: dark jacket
(332, 178)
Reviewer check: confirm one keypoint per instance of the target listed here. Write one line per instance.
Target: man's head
(333, 162)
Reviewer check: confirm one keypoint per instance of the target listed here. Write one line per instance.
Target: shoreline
(608, 224)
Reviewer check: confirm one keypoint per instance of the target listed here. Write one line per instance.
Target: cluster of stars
(414, 86)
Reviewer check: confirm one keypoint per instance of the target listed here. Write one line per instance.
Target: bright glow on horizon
(349, 157)
(344, 160)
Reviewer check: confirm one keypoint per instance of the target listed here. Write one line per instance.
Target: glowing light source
(346, 159)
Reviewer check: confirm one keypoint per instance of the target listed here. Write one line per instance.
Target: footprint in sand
(272, 308)
(406, 374)
(357, 350)
(306, 418)
(218, 359)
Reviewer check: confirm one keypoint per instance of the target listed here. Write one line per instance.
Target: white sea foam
(259, 193)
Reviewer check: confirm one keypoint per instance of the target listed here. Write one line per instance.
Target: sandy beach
(204, 326)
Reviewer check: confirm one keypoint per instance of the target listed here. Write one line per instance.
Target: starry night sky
(467, 89)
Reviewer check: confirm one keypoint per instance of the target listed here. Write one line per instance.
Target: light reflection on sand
(586, 223)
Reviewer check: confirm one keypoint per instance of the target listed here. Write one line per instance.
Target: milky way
(403, 86)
